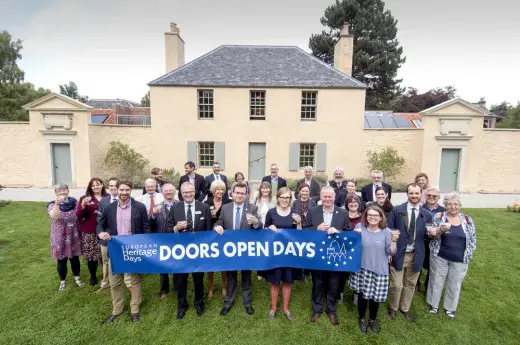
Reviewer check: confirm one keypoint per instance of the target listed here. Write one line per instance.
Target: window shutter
(192, 152)
(294, 156)
(220, 154)
(321, 157)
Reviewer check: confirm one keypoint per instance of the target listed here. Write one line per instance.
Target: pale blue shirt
(237, 226)
(327, 217)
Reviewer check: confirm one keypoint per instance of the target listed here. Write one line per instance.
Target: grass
(33, 312)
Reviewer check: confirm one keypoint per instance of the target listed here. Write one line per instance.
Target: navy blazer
(281, 181)
(201, 216)
(107, 222)
(367, 193)
(103, 203)
(315, 218)
(200, 187)
(398, 219)
(160, 220)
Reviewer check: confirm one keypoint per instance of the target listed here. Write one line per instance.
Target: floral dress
(65, 239)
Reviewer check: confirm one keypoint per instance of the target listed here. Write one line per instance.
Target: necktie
(113, 199)
(411, 229)
(218, 177)
(237, 219)
(152, 204)
(189, 219)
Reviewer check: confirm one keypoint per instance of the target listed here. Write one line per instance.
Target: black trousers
(181, 285)
(325, 283)
(165, 283)
(343, 278)
(232, 277)
(61, 267)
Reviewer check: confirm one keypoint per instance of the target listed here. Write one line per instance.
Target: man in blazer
(216, 176)
(276, 181)
(338, 183)
(195, 179)
(125, 217)
(189, 215)
(103, 203)
(159, 220)
(368, 192)
(410, 219)
(314, 186)
(152, 200)
(239, 214)
(330, 219)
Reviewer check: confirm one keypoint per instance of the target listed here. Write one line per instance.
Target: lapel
(243, 220)
(404, 215)
(196, 214)
(319, 216)
(113, 217)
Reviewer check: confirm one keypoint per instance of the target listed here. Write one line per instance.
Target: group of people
(397, 241)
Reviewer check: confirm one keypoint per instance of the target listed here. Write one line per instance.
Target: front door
(61, 167)
(256, 161)
(449, 177)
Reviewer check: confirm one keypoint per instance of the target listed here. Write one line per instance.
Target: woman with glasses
(281, 217)
(371, 282)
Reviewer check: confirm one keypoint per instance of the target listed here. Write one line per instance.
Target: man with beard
(339, 182)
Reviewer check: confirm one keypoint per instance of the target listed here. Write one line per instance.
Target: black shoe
(111, 318)
(136, 318)
(93, 281)
(200, 312)
(362, 325)
(181, 314)
(250, 310)
(374, 326)
(224, 311)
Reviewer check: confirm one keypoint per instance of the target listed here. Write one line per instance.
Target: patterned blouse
(469, 230)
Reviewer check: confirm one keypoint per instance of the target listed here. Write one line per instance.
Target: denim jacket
(469, 230)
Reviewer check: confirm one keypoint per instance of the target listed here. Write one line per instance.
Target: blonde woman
(264, 200)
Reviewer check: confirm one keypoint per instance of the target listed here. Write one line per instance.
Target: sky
(113, 48)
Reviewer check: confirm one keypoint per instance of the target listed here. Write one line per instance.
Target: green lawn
(33, 312)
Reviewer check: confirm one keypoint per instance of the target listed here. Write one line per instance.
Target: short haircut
(352, 181)
(327, 189)
(413, 184)
(187, 184)
(113, 179)
(215, 162)
(217, 184)
(190, 164)
(168, 185)
(125, 182)
(282, 191)
(150, 181)
(308, 167)
(451, 197)
(438, 192)
(274, 165)
(61, 186)
(376, 172)
(419, 175)
(155, 171)
(374, 207)
(340, 170)
(239, 185)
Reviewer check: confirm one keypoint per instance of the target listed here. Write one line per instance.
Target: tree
(512, 119)
(413, 102)
(500, 109)
(70, 90)
(145, 101)
(10, 52)
(377, 53)
(14, 96)
(124, 161)
(387, 160)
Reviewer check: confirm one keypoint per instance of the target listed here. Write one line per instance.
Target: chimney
(174, 48)
(343, 51)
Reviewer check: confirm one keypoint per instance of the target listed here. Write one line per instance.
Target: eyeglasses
(373, 216)
(432, 196)
(285, 197)
(188, 192)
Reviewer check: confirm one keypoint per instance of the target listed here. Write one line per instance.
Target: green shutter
(192, 152)
(321, 157)
(294, 156)
(220, 154)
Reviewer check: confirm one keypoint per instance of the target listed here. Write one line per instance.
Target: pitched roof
(110, 103)
(76, 105)
(478, 109)
(258, 66)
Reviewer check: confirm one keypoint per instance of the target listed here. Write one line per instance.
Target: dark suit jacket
(160, 220)
(398, 219)
(201, 216)
(226, 218)
(281, 181)
(103, 203)
(108, 220)
(200, 187)
(315, 218)
(338, 188)
(210, 203)
(209, 180)
(314, 189)
(367, 193)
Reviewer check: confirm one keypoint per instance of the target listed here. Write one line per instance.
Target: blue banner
(235, 250)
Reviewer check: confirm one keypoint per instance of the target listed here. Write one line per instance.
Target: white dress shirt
(409, 207)
(327, 217)
(374, 187)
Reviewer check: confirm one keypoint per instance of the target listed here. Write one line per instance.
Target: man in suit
(189, 216)
(216, 176)
(239, 214)
(159, 220)
(125, 217)
(368, 193)
(157, 175)
(330, 219)
(339, 183)
(276, 181)
(152, 200)
(195, 179)
(314, 186)
(410, 219)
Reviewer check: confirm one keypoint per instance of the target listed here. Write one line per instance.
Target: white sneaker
(62, 286)
(450, 315)
(79, 283)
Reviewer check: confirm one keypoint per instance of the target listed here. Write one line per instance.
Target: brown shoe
(391, 314)
(408, 315)
(164, 296)
(315, 317)
(334, 319)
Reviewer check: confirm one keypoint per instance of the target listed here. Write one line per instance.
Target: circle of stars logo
(337, 250)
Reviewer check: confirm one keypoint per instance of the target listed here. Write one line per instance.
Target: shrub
(125, 163)
(387, 160)
(513, 208)
(3, 202)
(171, 176)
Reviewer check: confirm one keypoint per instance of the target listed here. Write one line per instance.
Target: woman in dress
(451, 251)
(281, 217)
(371, 282)
(87, 211)
(264, 200)
(219, 198)
(65, 240)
